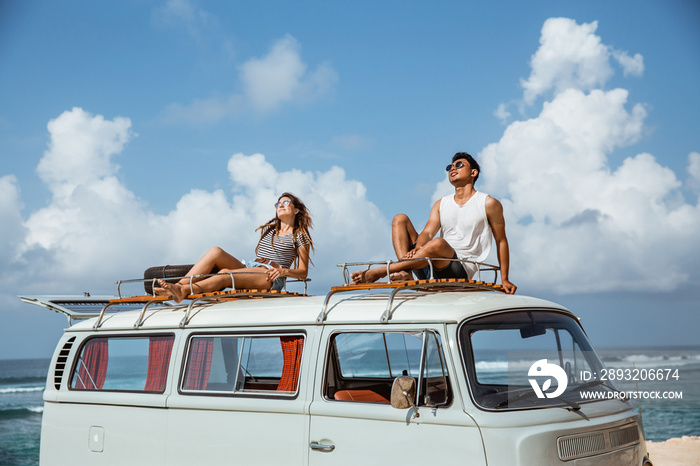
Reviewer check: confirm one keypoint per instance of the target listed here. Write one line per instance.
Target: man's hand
(508, 286)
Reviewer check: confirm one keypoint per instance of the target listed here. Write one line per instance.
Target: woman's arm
(300, 272)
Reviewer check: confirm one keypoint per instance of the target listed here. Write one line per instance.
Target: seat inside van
(359, 395)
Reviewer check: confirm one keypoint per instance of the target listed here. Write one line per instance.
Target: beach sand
(684, 451)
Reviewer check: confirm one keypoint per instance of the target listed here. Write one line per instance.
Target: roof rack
(431, 284)
(226, 295)
(195, 298)
(84, 307)
(192, 278)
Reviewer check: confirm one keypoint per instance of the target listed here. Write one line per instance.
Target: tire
(166, 272)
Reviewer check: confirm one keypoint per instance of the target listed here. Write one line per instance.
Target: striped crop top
(281, 249)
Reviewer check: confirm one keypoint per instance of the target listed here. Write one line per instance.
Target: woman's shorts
(278, 284)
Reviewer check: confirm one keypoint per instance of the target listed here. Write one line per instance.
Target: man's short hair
(472, 163)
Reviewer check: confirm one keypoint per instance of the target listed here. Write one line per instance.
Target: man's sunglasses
(457, 164)
(285, 203)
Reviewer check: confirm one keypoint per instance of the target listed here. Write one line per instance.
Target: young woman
(284, 242)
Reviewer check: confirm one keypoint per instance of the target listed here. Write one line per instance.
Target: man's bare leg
(436, 247)
(403, 237)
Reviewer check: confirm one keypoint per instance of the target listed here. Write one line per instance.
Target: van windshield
(530, 359)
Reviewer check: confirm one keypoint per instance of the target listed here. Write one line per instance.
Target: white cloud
(95, 230)
(694, 172)
(80, 150)
(281, 76)
(694, 165)
(12, 230)
(204, 111)
(575, 223)
(278, 78)
(573, 56)
(570, 55)
(502, 113)
(630, 65)
(183, 14)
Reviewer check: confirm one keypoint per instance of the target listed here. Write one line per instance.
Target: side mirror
(403, 393)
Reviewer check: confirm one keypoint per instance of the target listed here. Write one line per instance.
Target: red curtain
(291, 350)
(159, 351)
(92, 369)
(199, 364)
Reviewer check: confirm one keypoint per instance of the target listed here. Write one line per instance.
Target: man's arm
(494, 214)
(429, 231)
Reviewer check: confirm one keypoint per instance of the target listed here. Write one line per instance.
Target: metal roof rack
(195, 298)
(430, 284)
(85, 307)
(192, 278)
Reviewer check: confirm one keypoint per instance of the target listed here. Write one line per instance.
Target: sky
(141, 133)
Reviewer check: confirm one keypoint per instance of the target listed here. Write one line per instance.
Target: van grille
(624, 437)
(596, 443)
(61, 363)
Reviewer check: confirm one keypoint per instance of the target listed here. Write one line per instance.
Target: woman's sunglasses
(285, 203)
(458, 164)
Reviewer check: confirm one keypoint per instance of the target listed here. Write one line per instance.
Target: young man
(466, 220)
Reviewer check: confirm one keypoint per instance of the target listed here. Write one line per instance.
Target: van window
(135, 364)
(363, 366)
(231, 364)
(520, 359)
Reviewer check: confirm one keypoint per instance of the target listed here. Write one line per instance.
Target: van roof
(350, 308)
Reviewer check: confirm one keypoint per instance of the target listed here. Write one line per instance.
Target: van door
(239, 400)
(352, 420)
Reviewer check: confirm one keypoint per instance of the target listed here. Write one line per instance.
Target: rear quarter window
(123, 363)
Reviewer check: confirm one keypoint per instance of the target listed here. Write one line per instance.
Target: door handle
(322, 447)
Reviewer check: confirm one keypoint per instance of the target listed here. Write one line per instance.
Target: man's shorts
(454, 270)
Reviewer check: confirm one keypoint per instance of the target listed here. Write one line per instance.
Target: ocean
(22, 383)
(21, 388)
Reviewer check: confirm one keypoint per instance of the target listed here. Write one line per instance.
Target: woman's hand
(275, 273)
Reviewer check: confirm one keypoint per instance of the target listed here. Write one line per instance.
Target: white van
(429, 372)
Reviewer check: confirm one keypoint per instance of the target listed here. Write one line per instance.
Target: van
(420, 372)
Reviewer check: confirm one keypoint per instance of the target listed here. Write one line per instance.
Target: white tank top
(466, 228)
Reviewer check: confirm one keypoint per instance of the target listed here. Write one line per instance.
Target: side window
(135, 364)
(436, 389)
(234, 364)
(363, 366)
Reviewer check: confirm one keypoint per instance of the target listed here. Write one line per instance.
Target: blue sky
(140, 133)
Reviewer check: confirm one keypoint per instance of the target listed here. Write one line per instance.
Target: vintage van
(424, 372)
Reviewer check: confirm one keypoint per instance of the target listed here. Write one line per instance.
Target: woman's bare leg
(243, 279)
(253, 278)
(215, 257)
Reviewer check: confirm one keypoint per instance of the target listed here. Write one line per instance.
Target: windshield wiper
(521, 396)
(573, 406)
